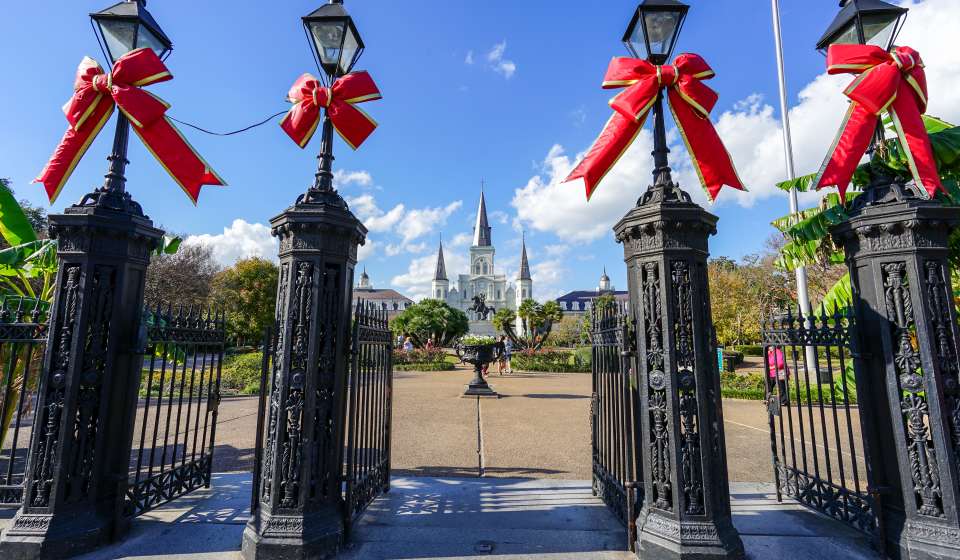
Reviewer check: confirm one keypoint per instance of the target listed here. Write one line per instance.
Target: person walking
(500, 351)
(778, 373)
(408, 344)
(507, 351)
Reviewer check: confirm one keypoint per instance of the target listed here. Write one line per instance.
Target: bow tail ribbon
(178, 157)
(709, 156)
(617, 135)
(71, 148)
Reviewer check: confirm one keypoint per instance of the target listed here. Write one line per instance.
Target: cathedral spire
(524, 265)
(481, 231)
(441, 272)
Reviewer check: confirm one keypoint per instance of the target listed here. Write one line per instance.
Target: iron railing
(23, 338)
(613, 413)
(368, 411)
(820, 456)
(176, 420)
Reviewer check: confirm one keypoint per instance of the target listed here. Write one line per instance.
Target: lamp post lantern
(864, 22)
(652, 34)
(298, 511)
(686, 505)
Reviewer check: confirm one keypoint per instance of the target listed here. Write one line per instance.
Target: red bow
(691, 102)
(888, 81)
(308, 95)
(94, 95)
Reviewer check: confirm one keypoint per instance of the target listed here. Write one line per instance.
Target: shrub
(421, 360)
(241, 373)
(750, 349)
(558, 361)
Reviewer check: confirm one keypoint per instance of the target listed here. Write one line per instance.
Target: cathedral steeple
(441, 272)
(481, 231)
(524, 265)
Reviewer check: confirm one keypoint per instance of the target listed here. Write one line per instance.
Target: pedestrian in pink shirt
(777, 372)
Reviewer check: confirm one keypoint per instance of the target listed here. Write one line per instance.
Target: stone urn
(479, 355)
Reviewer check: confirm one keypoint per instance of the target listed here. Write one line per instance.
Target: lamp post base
(667, 538)
(297, 537)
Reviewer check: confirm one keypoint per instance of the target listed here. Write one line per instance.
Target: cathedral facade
(482, 279)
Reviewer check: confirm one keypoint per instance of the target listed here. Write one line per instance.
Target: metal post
(896, 246)
(299, 512)
(661, 166)
(686, 508)
(79, 455)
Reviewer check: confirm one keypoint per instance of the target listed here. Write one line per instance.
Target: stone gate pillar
(76, 473)
(896, 250)
(686, 498)
(299, 513)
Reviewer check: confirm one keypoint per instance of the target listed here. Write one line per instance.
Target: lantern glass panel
(350, 47)
(146, 38)
(878, 29)
(328, 38)
(119, 36)
(635, 42)
(661, 30)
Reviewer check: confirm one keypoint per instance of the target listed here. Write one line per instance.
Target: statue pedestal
(482, 328)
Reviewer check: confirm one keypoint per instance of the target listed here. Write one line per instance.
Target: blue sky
(501, 91)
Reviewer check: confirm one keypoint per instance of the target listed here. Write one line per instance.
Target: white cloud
(415, 283)
(241, 240)
(461, 240)
(366, 209)
(499, 64)
(548, 276)
(421, 221)
(752, 134)
(556, 250)
(500, 216)
(344, 178)
(469, 58)
(366, 250)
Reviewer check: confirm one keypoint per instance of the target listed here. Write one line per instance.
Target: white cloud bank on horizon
(752, 134)
(240, 240)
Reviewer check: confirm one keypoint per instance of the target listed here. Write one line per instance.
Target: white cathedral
(482, 279)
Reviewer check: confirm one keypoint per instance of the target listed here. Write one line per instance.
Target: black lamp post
(686, 506)
(652, 34)
(298, 513)
(896, 247)
(74, 491)
(336, 47)
(121, 28)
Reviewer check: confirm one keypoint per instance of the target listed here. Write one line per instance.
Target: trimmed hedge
(754, 350)
(430, 366)
(241, 373)
(551, 360)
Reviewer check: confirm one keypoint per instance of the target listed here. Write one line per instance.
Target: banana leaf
(838, 297)
(169, 245)
(14, 225)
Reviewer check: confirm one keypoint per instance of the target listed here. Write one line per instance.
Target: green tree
(184, 277)
(432, 319)
(247, 292)
(529, 313)
(503, 319)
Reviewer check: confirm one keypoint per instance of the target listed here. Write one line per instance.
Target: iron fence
(175, 426)
(613, 413)
(820, 457)
(368, 411)
(23, 338)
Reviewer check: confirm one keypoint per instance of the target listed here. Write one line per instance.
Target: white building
(482, 278)
(392, 301)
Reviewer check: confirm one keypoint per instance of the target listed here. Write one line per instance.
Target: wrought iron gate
(176, 420)
(612, 414)
(23, 337)
(368, 412)
(820, 457)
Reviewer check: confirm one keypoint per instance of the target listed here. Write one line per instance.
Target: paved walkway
(450, 518)
(539, 429)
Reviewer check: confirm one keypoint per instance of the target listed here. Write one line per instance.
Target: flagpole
(803, 297)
